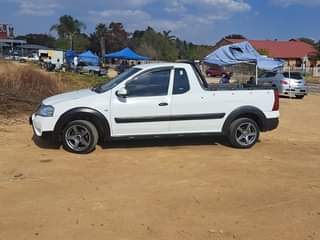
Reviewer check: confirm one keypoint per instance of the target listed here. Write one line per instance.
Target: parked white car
(289, 84)
(157, 100)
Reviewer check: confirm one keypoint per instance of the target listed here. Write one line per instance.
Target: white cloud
(37, 7)
(50, 7)
(134, 19)
(130, 18)
(175, 6)
(230, 5)
(116, 13)
(180, 16)
(286, 3)
(227, 5)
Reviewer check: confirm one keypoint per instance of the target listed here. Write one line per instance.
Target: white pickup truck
(157, 100)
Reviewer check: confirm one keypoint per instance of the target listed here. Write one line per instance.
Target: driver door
(146, 108)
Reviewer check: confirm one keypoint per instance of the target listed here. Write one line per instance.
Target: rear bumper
(293, 91)
(270, 124)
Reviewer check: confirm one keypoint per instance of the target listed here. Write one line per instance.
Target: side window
(271, 74)
(181, 81)
(155, 83)
(263, 75)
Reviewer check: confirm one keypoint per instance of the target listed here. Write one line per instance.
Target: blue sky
(200, 21)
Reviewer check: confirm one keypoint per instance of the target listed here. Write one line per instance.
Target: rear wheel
(300, 96)
(80, 137)
(244, 133)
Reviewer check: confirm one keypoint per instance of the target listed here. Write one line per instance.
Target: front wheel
(80, 137)
(244, 133)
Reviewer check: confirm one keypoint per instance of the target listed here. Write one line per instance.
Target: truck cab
(157, 100)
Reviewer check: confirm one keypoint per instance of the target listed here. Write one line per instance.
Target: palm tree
(101, 31)
(167, 35)
(68, 27)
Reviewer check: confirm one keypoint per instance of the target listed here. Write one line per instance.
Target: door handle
(163, 104)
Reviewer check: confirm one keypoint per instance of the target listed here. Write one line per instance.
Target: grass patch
(23, 86)
(77, 81)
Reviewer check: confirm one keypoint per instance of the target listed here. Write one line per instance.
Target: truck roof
(156, 65)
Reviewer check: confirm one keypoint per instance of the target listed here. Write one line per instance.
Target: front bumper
(42, 127)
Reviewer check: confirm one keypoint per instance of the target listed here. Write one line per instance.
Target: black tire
(300, 96)
(245, 138)
(80, 137)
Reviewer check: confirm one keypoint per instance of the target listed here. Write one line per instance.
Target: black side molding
(171, 118)
(164, 136)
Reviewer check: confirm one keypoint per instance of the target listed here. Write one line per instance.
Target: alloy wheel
(78, 138)
(246, 134)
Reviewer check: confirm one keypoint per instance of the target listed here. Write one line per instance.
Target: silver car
(89, 68)
(289, 84)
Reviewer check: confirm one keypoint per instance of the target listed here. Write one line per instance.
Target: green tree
(81, 43)
(307, 40)
(167, 35)
(94, 43)
(317, 46)
(116, 37)
(235, 36)
(192, 51)
(100, 33)
(154, 44)
(40, 39)
(68, 28)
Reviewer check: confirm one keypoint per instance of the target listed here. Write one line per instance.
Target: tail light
(276, 103)
(284, 82)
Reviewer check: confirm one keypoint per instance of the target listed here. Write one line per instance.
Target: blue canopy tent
(89, 57)
(242, 53)
(127, 54)
(70, 55)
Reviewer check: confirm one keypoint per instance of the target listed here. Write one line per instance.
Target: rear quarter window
(181, 82)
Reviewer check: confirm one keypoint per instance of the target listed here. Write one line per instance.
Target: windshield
(106, 86)
(293, 75)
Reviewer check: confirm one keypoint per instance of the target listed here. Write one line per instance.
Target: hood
(70, 96)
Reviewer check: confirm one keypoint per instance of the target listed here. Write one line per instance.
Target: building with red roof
(296, 53)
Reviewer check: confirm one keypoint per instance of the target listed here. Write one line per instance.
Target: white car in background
(289, 84)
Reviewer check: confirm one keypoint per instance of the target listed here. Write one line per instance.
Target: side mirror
(123, 93)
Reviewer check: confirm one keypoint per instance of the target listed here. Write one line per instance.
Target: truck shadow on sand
(146, 143)
(165, 142)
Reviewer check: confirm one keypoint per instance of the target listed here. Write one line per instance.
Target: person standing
(75, 62)
(58, 65)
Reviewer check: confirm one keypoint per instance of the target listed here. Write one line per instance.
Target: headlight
(45, 111)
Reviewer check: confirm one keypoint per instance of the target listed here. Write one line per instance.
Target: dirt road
(177, 189)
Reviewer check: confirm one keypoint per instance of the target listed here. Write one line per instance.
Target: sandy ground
(177, 189)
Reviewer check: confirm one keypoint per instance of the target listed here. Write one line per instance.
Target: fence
(310, 71)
